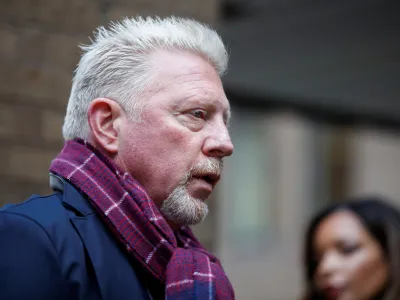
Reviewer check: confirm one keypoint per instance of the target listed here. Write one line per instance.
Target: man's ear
(104, 117)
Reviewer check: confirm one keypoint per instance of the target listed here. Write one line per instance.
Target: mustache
(210, 166)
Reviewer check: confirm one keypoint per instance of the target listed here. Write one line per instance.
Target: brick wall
(38, 53)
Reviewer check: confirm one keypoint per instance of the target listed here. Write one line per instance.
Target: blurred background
(314, 87)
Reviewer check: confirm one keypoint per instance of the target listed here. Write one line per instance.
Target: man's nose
(218, 143)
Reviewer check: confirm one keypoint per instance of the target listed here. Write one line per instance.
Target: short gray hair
(115, 64)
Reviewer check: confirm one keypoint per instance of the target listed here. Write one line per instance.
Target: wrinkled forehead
(181, 66)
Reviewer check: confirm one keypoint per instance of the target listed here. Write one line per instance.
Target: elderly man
(146, 132)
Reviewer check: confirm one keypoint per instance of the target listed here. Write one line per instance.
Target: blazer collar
(71, 196)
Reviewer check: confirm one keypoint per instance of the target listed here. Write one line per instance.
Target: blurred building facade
(288, 161)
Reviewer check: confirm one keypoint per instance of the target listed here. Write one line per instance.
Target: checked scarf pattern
(176, 260)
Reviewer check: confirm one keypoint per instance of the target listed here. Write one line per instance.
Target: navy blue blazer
(56, 248)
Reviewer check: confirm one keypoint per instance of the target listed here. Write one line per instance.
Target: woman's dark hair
(381, 220)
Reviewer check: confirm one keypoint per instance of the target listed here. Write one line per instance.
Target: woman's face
(351, 263)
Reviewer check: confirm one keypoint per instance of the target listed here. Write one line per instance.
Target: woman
(352, 252)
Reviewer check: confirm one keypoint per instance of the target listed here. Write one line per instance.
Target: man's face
(176, 151)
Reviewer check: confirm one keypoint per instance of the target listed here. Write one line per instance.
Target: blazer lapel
(116, 276)
(92, 236)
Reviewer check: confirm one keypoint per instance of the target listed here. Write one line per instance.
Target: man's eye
(198, 113)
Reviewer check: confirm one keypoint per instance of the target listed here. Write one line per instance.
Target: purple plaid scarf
(176, 260)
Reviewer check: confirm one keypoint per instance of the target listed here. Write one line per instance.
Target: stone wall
(38, 53)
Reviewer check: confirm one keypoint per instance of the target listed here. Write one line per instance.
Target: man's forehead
(179, 62)
(182, 67)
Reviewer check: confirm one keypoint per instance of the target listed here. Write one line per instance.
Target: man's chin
(182, 209)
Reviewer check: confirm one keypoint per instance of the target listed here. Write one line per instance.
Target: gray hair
(115, 64)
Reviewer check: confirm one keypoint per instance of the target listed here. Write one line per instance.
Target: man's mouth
(210, 178)
(205, 176)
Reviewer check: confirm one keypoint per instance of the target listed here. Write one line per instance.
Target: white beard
(180, 207)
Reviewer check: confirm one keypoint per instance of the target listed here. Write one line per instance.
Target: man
(146, 132)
